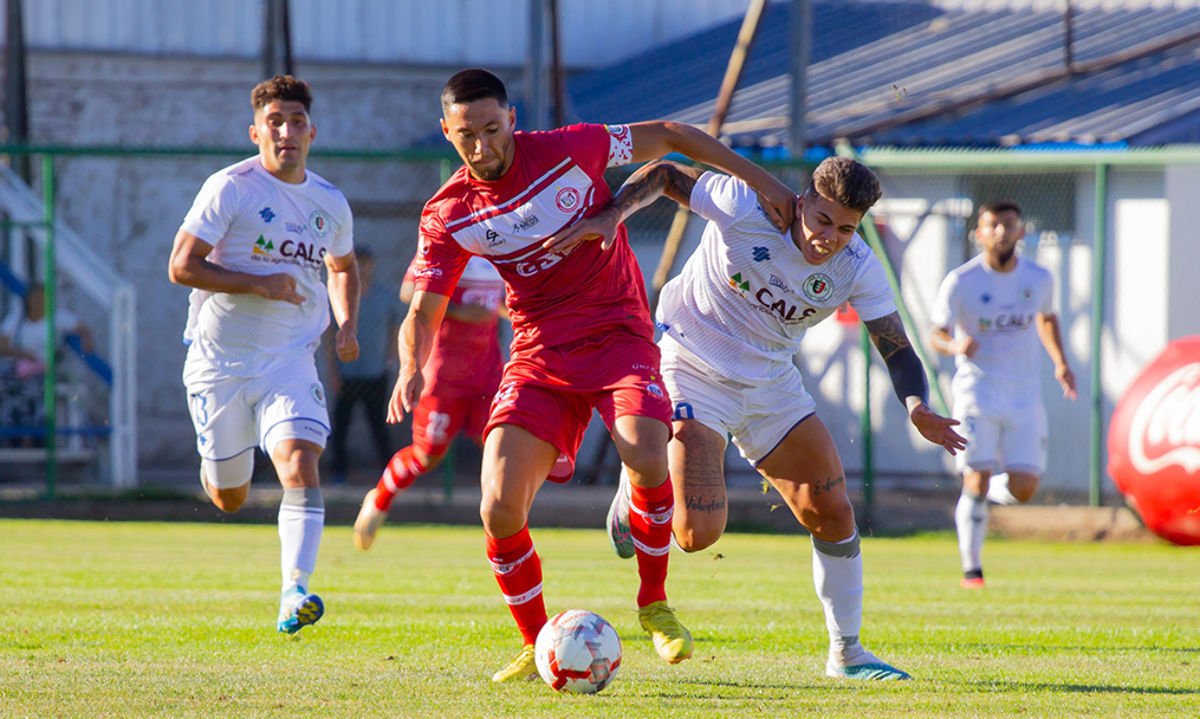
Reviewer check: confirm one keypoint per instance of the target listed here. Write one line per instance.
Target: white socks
(971, 519)
(838, 579)
(301, 520)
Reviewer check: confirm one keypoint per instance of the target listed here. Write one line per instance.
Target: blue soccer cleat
(871, 670)
(298, 609)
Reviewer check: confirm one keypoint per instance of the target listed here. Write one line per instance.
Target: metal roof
(912, 74)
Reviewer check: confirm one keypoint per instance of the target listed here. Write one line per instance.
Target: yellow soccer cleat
(367, 524)
(672, 640)
(523, 667)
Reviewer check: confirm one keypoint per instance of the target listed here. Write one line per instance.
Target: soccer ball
(578, 651)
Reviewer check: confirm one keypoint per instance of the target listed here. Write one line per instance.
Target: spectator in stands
(366, 378)
(23, 359)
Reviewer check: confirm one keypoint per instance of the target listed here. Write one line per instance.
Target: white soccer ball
(578, 651)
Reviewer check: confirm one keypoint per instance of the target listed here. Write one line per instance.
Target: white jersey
(746, 295)
(998, 309)
(262, 225)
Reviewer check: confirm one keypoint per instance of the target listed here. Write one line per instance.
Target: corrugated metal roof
(908, 72)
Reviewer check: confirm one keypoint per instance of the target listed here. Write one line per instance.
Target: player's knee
(227, 481)
(501, 519)
(694, 540)
(647, 465)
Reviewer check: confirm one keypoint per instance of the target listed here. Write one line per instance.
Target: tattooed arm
(908, 379)
(650, 182)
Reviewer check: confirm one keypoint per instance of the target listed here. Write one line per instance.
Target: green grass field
(141, 619)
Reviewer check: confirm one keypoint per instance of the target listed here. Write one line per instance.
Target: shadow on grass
(1079, 688)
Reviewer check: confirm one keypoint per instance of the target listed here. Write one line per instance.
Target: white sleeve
(943, 314)
(9, 326)
(722, 199)
(872, 297)
(213, 209)
(1047, 307)
(342, 243)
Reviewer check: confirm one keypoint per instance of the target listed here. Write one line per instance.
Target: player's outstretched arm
(648, 183)
(944, 342)
(415, 341)
(1048, 333)
(652, 140)
(344, 291)
(908, 380)
(188, 266)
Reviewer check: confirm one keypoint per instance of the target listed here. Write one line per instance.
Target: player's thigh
(697, 458)
(807, 472)
(295, 462)
(291, 406)
(515, 463)
(223, 418)
(230, 473)
(1024, 438)
(981, 429)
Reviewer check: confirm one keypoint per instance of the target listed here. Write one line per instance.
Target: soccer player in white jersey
(732, 322)
(989, 315)
(251, 249)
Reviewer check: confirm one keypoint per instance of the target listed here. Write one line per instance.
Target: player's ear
(445, 127)
(254, 134)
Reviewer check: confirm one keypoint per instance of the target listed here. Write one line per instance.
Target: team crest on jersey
(319, 222)
(654, 389)
(318, 394)
(817, 287)
(567, 199)
(1027, 293)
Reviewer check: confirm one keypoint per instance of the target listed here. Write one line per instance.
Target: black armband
(908, 375)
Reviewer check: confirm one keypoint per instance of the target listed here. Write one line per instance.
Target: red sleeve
(440, 259)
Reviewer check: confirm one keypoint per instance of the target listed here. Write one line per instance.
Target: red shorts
(552, 392)
(437, 419)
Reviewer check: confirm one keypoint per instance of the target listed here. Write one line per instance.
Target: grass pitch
(140, 619)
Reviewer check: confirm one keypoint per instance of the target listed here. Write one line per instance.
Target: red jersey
(466, 355)
(556, 178)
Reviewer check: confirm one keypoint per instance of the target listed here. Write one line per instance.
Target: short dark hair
(281, 87)
(999, 206)
(473, 84)
(847, 182)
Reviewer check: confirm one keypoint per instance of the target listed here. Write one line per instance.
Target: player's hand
(966, 346)
(279, 286)
(1066, 378)
(406, 394)
(601, 226)
(346, 342)
(936, 428)
(780, 206)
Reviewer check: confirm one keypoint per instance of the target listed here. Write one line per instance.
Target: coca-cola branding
(1165, 429)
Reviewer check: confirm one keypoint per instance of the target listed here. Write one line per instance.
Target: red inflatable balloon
(1154, 443)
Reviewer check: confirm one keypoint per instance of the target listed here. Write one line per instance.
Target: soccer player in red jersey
(461, 377)
(582, 337)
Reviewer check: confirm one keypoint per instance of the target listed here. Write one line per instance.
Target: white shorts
(235, 414)
(757, 416)
(1002, 439)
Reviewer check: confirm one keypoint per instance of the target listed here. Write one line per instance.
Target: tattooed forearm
(653, 180)
(888, 334)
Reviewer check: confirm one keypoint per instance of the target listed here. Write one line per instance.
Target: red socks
(650, 524)
(399, 474)
(518, 571)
